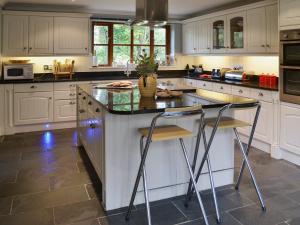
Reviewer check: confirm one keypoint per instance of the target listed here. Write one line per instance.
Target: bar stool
(162, 133)
(221, 122)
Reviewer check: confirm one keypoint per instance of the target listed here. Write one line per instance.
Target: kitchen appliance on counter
(290, 66)
(18, 71)
(235, 75)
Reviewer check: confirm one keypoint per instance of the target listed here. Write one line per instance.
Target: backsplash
(251, 64)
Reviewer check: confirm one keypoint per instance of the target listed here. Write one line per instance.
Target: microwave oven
(18, 71)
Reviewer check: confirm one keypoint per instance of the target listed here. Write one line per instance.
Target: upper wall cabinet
(249, 29)
(15, 35)
(39, 34)
(71, 35)
(289, 14)
(263, 30)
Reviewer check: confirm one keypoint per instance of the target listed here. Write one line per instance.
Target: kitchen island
(108, 122)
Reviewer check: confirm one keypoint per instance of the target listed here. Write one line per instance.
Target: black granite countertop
(127, 102)
(249, 84)
(93, 76)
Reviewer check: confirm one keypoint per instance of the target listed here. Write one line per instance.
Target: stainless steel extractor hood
(151, 13)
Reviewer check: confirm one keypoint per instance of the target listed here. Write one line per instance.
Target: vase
(148, 85)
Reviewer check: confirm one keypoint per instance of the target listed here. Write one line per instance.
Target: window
(116, 44)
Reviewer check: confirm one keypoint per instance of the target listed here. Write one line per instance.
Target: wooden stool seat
(163, 133)
(226, 122)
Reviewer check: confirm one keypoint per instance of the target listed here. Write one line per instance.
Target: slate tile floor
(46, 180)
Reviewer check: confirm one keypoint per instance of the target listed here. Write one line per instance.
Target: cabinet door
(33, 108)
(219, 37)
(272, 29)
(256, 26)
(264, 128)
(289, 12)
(289, 132)
(236, 24)
(15, 35)
(40, 35)
(71, 35)
(64, 110)
(188, 38)
(204, 37)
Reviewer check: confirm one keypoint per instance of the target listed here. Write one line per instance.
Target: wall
(84, 63)
(251, 64)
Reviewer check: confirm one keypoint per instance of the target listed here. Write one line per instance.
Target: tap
(128, 71)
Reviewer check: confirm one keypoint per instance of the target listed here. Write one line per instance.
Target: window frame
(111, 45)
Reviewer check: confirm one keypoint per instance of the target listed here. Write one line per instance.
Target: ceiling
(177, 8)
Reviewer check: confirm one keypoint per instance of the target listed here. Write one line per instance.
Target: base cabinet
(64, 110)
(33, 108)
(289, 132)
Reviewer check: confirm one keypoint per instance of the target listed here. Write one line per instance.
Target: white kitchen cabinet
(204, 37)
(265, 124)
(15, 35)
(64, 110)
(189, 38)
(40, 35)
(263, 30)
(71, 35)
(289, 132)
(289, 13)
(33, 108)
(2, 110)
(257, 26)
(219, 34)
(236, 33)
(272, 29)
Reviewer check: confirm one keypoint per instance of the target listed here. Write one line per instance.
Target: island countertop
(126, 102)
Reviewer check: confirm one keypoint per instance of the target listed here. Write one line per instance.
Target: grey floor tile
(295, 196)
(86, 222)
(227, 199)
(24, 203)
(166, 214)
(226, 219)
(18, 188)
(8, 176)
(39, 217)
(284, 205)
(295, 221)
(94, 190)
(5, 205)
(77, 212)
(67, 178)
(253, 215)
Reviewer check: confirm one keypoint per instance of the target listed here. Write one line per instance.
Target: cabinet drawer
(261, 95)
(64, 110)
(223, 88)
(241, 91)
(71, 94)
(31, 87)
(205, 85)
(64, 86)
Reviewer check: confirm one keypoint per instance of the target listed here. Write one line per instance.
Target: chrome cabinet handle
(50, 98)
(221, 88)
(79, 93)
(204, 85)
(84, 98)
(81, 111)
(32, 87)
(240, 91)
(72, 103)
(268, 46)
(261, 94)
(90, 103)
(263, 46)
(92, 125)
(97, 110)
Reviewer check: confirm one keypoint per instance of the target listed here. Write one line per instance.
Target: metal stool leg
(194, 182)
(145, 185)
(248, 146)
(250, 170)
(195, 154)
(212, 184)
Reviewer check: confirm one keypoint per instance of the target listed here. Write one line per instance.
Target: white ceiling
(177, 8)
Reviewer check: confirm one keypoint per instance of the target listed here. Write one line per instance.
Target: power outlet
(47, 67)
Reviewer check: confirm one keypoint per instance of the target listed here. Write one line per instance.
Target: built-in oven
(290, 66)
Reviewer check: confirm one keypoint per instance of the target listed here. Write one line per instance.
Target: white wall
(251, 64)
(84, 63)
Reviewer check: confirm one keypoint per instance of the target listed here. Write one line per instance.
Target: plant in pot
(146, 69)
